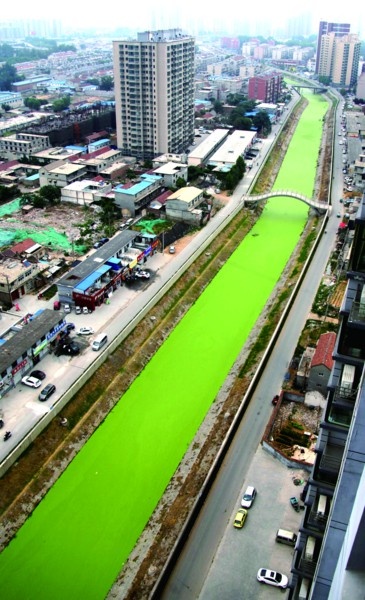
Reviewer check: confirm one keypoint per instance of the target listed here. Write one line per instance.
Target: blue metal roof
(88, 282)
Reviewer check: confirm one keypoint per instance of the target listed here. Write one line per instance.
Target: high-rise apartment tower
(339, 29)
(154, 93)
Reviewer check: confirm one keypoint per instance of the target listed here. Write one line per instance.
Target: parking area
(243, 552)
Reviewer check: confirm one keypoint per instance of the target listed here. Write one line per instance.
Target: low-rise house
(61, 173)
(183, 205)
(92, 281)
(96, 164)
(84, 192)
(22, 351)
(22, 144)
(133, 197)
(322, 363)
(171, 172)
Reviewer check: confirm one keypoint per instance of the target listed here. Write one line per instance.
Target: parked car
(47, 392)
(248, 497)
(67, 308)
(71, 349)
(142, 274)
(85, 331)
(31, 381)
(129, 222)
(85, 310)
(38, 374)
(78, 310)
(240, 518)
(56, 305)
(272, 578)
(70, 327)
(172, 250)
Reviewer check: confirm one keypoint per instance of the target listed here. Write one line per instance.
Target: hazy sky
(270, 17)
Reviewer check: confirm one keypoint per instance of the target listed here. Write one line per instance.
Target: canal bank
(191, 402)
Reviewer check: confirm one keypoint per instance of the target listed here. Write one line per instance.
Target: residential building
(21, 275)
(131, 198)
(328, 558)
(346, 59)
(322, 363)
(338, 58)
(95, 164)
(360, 88)
(325, 28)
(84, 192)
(266, 88)
(154, 93)
(171, 172)
(22, 144)
(61, 173)
(359, 172)
(183, 205)
(12, 99)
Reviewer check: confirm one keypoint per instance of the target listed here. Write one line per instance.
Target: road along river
(80, 535)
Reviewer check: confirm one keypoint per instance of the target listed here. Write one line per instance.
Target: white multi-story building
(154, 93)
(22, 144)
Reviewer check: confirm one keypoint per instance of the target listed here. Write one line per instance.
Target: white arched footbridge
(320, 206)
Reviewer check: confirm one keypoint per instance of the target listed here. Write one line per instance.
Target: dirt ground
(22, 488)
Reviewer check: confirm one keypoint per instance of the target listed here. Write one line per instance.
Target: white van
(286, 537)
(99, 341)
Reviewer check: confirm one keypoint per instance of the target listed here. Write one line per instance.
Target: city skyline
(284, 20)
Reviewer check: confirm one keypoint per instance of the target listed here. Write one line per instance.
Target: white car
(85, 331)
(272, 578)
(31, 381)
(172, 250)
(67, 308)
(142, 274)
(248, 497)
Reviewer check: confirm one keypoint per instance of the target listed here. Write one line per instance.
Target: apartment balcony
(304, 566)
(357, 314)
(328, 463)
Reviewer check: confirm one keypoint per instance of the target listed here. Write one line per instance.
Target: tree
(32, 103)
(93, 81)
(61, 104)
(106, 83)
(8, 75)
(262, 123)
(52, 193)
(218, 106)
(180, 182)
(243, 123)
(6, 107)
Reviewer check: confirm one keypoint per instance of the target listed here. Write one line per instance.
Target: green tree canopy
(61, 104)
(52, 193)
(262, 123)
(106, 83)
(8, 75)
